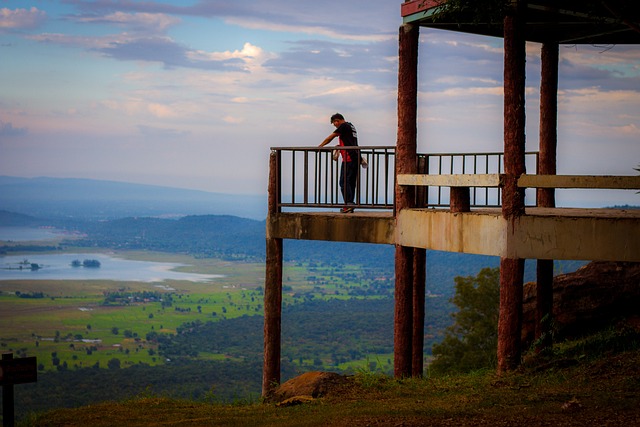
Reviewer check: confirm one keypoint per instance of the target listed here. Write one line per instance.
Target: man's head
(337, 118)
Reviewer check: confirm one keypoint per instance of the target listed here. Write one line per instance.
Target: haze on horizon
(191, 94)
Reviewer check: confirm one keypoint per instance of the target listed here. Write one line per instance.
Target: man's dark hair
(337, 116)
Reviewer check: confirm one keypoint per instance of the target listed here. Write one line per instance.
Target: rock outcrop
(308, 385)
(592, 297)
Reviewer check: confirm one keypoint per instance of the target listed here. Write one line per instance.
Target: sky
(193, 93)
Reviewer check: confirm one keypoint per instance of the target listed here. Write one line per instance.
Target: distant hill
(94, 199)
(12, 219)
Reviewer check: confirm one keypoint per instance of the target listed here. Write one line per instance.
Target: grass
(598, 389)
(592, 381)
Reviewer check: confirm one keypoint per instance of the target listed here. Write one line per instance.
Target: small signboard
(18, 371)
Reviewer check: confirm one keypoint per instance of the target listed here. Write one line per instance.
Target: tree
(471, 342)
(113, 363)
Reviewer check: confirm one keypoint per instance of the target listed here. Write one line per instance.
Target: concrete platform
(542, 233)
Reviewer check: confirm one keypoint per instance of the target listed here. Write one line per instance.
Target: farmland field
(70, 323)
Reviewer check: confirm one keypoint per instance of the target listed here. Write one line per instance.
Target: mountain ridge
(98, 199)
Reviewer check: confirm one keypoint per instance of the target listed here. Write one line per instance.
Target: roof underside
(564, 21)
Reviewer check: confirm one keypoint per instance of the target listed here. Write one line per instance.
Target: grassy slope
(594, 381)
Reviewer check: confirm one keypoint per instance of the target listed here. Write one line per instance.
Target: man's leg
(343, 186)
(352, 178)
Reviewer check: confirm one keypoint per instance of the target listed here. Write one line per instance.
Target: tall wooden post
(419, 285)
(405, 196)
(272, 291)
(8, 409)
(460, 199)
(511, 269)
(546, 196)
(549, 58)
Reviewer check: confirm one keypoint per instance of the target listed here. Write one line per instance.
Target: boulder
(591, 298)
(310, 384)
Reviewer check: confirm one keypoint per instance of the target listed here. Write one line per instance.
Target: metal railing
(466, 163)
(308, 177)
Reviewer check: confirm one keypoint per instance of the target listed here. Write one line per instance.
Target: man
(347, 136)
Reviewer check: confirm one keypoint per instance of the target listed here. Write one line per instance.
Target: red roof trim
(410, 7)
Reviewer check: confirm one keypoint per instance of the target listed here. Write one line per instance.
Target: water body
(58, 267)
(29, 234)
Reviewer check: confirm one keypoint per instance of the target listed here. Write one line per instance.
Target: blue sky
(192, 94)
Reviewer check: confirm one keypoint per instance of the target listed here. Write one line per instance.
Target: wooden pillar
(548, 120)
(546, 196)
(406, 149)
(460, 199)
(544, 304)
(419, 284)
(510, 320)
(512, 270)
(272, 291)
(8, 398)
(403, 313)
(405, 196)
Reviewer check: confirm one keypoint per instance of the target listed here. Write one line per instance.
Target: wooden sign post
(14, 371)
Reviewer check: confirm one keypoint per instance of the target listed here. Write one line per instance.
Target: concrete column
(512, 270)
(272, 291)
(405, 196)
(547, 165)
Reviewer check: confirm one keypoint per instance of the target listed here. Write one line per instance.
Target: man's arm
(329, 139)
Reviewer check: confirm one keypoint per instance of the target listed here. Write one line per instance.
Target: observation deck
(307, 203)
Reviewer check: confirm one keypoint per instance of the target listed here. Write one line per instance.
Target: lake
(58, 267)
(29, 234)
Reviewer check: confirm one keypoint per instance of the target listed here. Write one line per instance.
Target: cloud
(631, 129)
(333, 19)
(352, 62)
(139, 22)
(160, 134)
(21, 19)
(615, 105)
(251, 56)
(159, 49)
(154, 49)
(7, 130)
(316, 31)
(233, 120)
